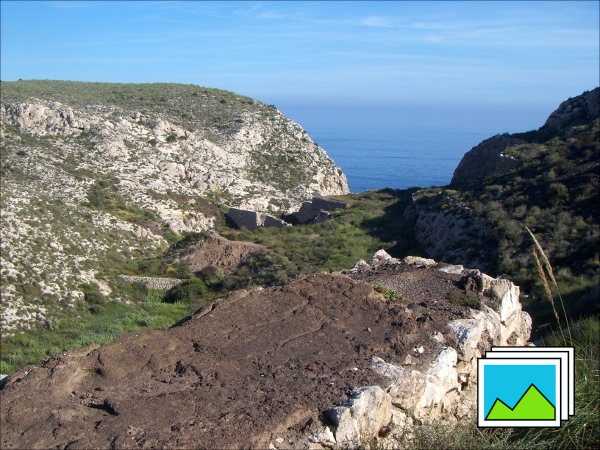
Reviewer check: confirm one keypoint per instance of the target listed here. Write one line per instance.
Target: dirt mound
(257, 367)
(216, 252)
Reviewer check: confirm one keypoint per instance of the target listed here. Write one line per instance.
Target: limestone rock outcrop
(359, 420)
(573, 112)
(182, 160)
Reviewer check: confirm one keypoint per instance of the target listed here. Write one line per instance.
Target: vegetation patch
(390, 294)
(555, 192)
(463, 299)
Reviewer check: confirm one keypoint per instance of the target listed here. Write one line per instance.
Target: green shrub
(92, 294)
(463, 299)
(582, 431)
(390, 294)
(153, 297)
(558, 194)
(187, 292)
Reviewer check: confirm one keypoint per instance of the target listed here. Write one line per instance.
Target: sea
(396, 158)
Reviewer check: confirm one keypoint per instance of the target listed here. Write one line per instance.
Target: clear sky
(473, 64)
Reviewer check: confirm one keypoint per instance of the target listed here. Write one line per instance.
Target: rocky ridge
(324, 361)
(465, 222)
(87, 180)
(489, 158)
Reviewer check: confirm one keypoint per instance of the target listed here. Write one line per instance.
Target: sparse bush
(390, 294)
(52, 323)
(187, 292)
(463, 299)
(92, 294)
(558, 194)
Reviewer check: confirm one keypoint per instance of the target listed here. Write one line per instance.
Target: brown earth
(255, 368)
(216, 252)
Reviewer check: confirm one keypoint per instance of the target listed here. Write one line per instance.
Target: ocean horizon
(396, 158)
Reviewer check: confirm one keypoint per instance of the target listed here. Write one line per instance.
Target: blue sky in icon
(450, 62)
(510, 382)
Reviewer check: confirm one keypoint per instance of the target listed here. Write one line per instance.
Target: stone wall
(327, 204)
(271, 221)
(244, 218)
(161, 284)
(315, 210)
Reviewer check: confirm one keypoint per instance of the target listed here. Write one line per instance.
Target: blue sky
(473, 64)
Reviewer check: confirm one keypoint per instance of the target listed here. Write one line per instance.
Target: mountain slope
(547, 180)
(96, 174)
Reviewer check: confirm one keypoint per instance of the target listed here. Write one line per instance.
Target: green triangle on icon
(532, 406)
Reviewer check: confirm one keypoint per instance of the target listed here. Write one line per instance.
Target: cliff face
(93, 174)
(249, 152)
(573, 112)
(486, 159)
(455, 237)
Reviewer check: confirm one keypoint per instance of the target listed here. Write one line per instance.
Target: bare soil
(215, 252)
(251, 368)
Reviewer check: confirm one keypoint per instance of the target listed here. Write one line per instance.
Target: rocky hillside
(490, 157)
(95, 174)
(547, 180)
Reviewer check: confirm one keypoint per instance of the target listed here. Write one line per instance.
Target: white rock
(407, 386)
(441, 377)
(362, 417)
(438, 337)
(358, 265)
(419, 262)
(466, 333)
(382, 256)
(454, 269)
(324, 436)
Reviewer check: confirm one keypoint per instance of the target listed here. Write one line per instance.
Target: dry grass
(548, 269)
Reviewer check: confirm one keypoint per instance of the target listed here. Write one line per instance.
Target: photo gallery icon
(525, 387)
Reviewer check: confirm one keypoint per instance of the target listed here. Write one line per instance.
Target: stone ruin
(251, 220)
(316, 211)
(243, 218)
(446, 389)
